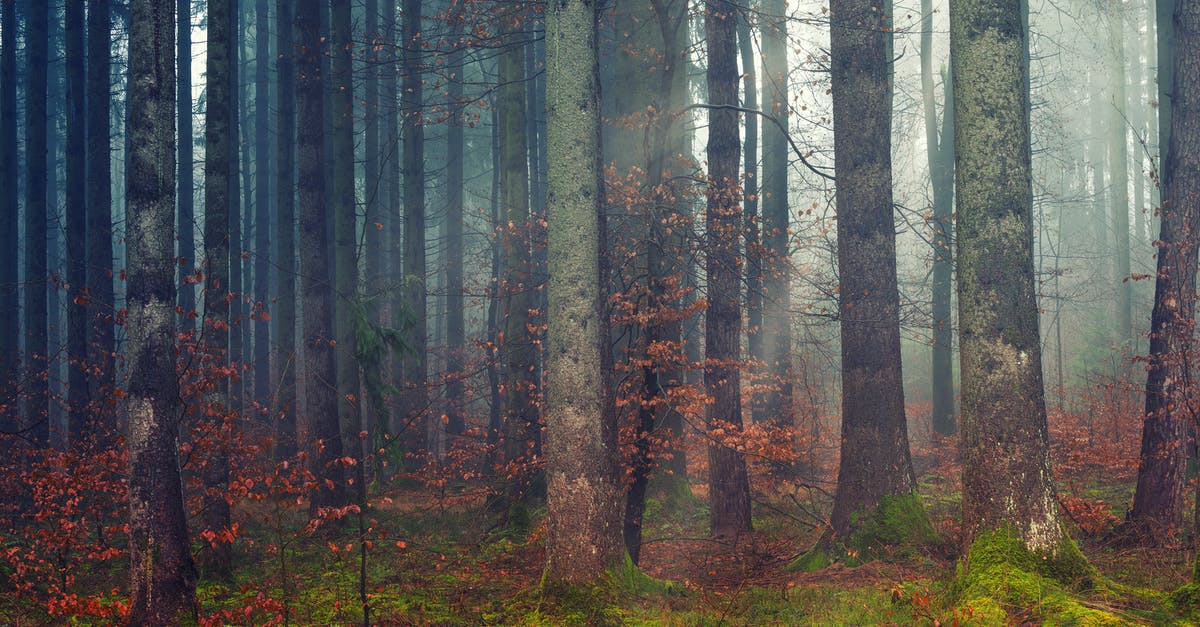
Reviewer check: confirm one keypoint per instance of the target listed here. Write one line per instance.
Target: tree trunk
(729, 486)
(869, 299)
(76, 225)
(101, 344)
(455, 312)
(753, 225)
(35, 382)
(1005, 445)
(163, 578)
(345, 231)
(320, 361)
(187, 183)
(584, 535)
(285, 236)
(415, 415)
(219, 194)
(776, 260)
(515, 344)
(10, 328)
(1119, 174)
(940, 152)
(1158, 501)
(262, 204)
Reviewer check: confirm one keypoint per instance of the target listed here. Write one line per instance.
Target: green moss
(600, 602)
(1186, 600)
(1003, 575)
(898, 528)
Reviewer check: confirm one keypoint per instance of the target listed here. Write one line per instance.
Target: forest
(599, 312)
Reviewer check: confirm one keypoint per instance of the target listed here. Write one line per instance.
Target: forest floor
(437, 559)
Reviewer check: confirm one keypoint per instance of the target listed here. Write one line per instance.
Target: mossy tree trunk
(875, 461)
(320, 360)
(1005, 445)
(1158, 500)
(729, 485)
(163, 578)
(583, 491)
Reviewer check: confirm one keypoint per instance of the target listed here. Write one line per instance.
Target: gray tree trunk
(262, 204)
(285, 236)
(101, 343)
(76, 227)
(583, 493)
(424, 429)
(10, 326)
(163, 578)
(34, 381)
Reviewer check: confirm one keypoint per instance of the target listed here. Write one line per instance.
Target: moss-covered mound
(1005, 581)
(898, 529)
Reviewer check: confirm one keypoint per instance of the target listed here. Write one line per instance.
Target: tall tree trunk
(776, 260)
(163, 578)
(35, 382)
(345, 215)
(1119, 172)
(320, 361)
(262, 203)
(729, 485)
(76, 225)
(515, 344)
(285, 236)
(219, 196)
(187, 183)
(415, 368)
(101, 344)
(455, 311)
(1158, 500)
(374, 236)
(584, 536)
(753, 225)
(10, 327)
(236, 286)
(875, 464)
(1005, 446)
(940, 153)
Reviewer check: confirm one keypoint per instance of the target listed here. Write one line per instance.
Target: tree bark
(320, 361)
(219, 194)
(869, 299)
(35, 381)
(1158, 500)
(101, 344)
(10, 328)
(163, 578)
(753, 223)
(940, 153)
(1119, 173)
(776, 259)
(187, 183)
(584, 535)
(729, 485)
(76, 224)
(415, 298)
(285, 236)
(455, 312)
(262, 204)
(1005, 445)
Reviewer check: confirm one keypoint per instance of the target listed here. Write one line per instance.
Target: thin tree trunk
(262, 203)
(753, 225)
(101, 344)
(285, 237)
(1119, 173)
(455, 311)
(776, 260)
(584, 534)
(236, 286)
(34, 382)
(412, 106)
(187, 183)
(9, 324)
(163, 578)
(729, 486)
(219, 196)
(76, 225)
